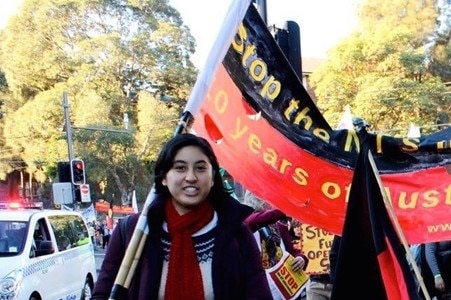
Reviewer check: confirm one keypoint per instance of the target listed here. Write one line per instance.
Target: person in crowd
(438, 259)
(99, 233)
(83, 239)
(105, 236)
(294, 227)
(92, 231)
(198, 246)
(320, 285)
(274, 236)
(417, 252)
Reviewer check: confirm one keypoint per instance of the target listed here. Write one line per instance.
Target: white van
(45, 255)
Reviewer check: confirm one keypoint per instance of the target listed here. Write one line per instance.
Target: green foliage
(383, 71)
(108, 56)
(156, 123)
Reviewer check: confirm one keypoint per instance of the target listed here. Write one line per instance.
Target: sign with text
(315, 244)
(84, 193)
(283, 281)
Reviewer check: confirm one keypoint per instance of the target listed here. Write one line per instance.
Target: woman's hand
(298, 263)
(439, 283)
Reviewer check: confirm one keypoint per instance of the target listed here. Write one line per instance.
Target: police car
(45, 254)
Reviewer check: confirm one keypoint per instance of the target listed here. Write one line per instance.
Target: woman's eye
(201, 168)
(179, 168)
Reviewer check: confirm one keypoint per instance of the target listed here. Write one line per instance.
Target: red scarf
(184, 279)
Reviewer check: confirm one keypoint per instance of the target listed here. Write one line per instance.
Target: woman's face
(190, 179)
(297, 230)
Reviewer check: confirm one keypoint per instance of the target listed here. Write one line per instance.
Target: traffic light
(64, 172)
(289, 41)
(77, 170)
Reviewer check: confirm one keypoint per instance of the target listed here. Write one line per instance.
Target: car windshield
(12, 237)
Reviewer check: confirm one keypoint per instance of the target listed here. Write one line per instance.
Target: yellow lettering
(322, 134)
(409, 145)
(292, 107)
(379, 143)
(254, 143)
(221, 101)
(302, 116)
(258, 70)
(270, 158)
(238, 41)
(448, 194)
(405, 203)
(352, 138)
(271, 89)
(239, 131)
(331, 190)
(431, 199)
(284, 165)
(300, 176)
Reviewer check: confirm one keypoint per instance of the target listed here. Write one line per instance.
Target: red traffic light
(77, 168)
(79, 165)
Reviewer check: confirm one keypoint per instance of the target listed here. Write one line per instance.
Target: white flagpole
(346, 119)
(134, 202)
(233, 19)
(414, 131)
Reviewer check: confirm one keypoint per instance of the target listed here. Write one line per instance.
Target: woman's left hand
(298, 263)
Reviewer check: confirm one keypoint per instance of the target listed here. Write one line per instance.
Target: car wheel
(86, 293)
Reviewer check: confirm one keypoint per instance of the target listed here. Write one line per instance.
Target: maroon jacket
(236, 266)
(260, 219)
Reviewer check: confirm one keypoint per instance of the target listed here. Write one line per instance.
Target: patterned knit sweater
(203, 243)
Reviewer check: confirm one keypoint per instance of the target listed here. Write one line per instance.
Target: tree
(128, 155)
(382, 70)
(103, 54)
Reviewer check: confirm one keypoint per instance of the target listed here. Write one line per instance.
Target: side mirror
(45, 248)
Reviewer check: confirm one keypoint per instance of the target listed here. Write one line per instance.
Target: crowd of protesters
(99, 233)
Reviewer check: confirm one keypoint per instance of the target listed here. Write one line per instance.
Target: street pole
(68, 127)
(70, 147)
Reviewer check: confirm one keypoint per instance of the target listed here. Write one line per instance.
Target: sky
(322, 23)
(7, 8)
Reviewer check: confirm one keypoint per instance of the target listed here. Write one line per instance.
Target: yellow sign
(316, 244)
(283, 281)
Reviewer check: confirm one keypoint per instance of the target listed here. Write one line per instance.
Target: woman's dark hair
(166, 157)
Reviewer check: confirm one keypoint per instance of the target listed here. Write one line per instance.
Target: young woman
(198, 246)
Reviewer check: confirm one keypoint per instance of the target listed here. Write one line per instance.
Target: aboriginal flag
(249, 103)
(371, 258)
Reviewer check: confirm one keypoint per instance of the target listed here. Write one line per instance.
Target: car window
(69, 230)
(12, 237)
(42, 242)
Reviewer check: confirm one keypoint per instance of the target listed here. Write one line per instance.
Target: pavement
(99, 254)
